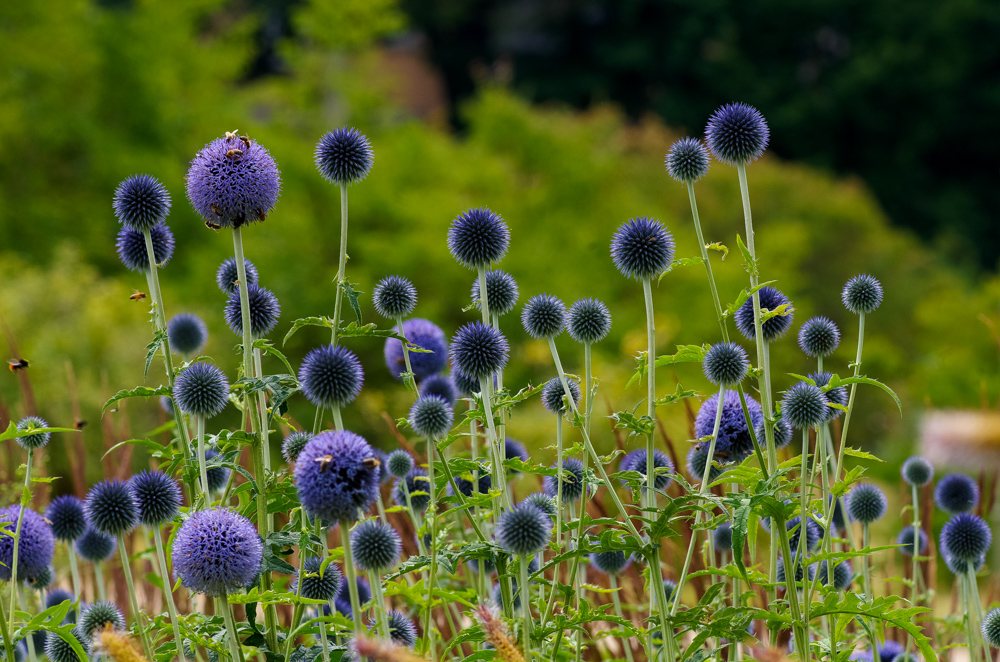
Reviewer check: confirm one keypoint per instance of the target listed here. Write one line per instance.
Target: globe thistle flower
(394, 297)
(431, 417)
(572, 485)
(839, 523)
(343, 600)
(733, 443)
(335, 476)
(917, 471)
(588, 321)
(187, 333)
(814, 532)
(991, 627)
(496, 595)
(697, 457)
(477, 238)
(233, 181)
(402, 631)
(722, 536)
(966, 537)
(637, 459)
(737, 133)
(94, 546)
(376, 546)
(956, 493)
(31, 441)
(228, 275)
(35, 547)
(400, 463)
(96, 616)
(610, 562)
(669, 586)
(725, 364)
(843, 574)
(524, 530)
(862, 294)
(781, 575)
(57, 596)
(67, 518)
(804, 405)
(201, 389)
(293, 445)
(782, 432)
(834, 396)
(544, 316)
(465, 384)
(889, 651)
(319, 584)
(543, 502)
(512, 448)
(167, 405)
(344, 156)
(59, 650)
(554, 397)
(905, 538)
(770, 299)
(264, 311)
(819, 336)
(41, 580)
(501, 292)
(158, 497)
(866, 503)
(440, 386)
(687, 161)
(478, 350)
(959, 566)
(217, 552)
(218, 476)
(642, 248)
(424, 335)
(141, 202)
(415, 481)
(484, 484)
(111, 507)
(331, 376)
(131, 247)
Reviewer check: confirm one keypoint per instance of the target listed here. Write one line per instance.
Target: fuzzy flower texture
(233, 181)
(217, 552)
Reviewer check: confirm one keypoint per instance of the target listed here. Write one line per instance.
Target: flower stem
(199, 422)
(235, 648)
(74, 569)
(432, 521)
(133, 602)
(708, 265)
(8, 643)
(525, 606)
(378, 603)
(559, 482)
(626, 643)
(102, 591)
(352, 582)
(341, 266)
(976, 611)
(25, 500)
(486, 384)
(168, 593)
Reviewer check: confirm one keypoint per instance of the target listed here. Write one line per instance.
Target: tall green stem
(235, 648)
(626, 644)
(8, 643)
(133, 602)
(102, 591)
(25, 500)
(378, 603)
(559, 482)
(341, 266)
(352, 582)
(708, 265)
(168, 593)
(199, 422)
(525, 607)
(432, 520)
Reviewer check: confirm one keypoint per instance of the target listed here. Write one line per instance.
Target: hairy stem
(133, 601)
(352, 582)
(341, 265)
(25, 500)
(168, 593)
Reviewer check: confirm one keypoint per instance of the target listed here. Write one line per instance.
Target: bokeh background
(555, 114)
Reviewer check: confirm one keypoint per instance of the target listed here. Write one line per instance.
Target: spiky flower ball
(959, 566)
(991, 627)
(318, 584)
(782, 433)
(141, 202)
(737, 133)
(734, 442)
(572, 481)
(697, 457)
(637, 459)
(424, 335)
(35, 547)
(111, 507)
(834, 396)
(524, 530)
(58, 649)
(233, 181)
(416, 482)
(344, 156)
(41, 580)
(842, 574)
(402, 631)
(228, 275)
(95, 546)
(400, 463)
(512, 448)
(336, 476)
(544, 316)
(217, 552)
(331, 376)
(57, 596)
(466, 384)
(158, 496)
(610, 562)
(554, 396)
(687, 161)
(394, 297)
(293, 444)
(588, 321)
(917, 471)
(32, 440)
(375, 545)
(477, 238)
(862, 294)
(966, 536)
(642, 248)
(264, 311)
(67, 517)
(96, 616)
(465, 485)
(343, 600)
(501, 292)
(819, 336)
(478, 350)
(131, 247)
(804, 405)
(431, 417)
(543, 502)
(866, 503)
(218, 476)
(201, 389)
(722, 536)
(770, 299)
(187, 333)
(905, 538)
(814, 533)
(440, 386)
(956, 493)
(725, 364)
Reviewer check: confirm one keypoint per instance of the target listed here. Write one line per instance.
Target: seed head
(111, 507)
(319, 584)
(544, 316)
(804, 405)
(524, 530)
(376, 546)
(96, 616)
(866, 503)
(431, 417)
(228, 275)
(158, 497)
(264, 311)
(501, 292)
(726, 364)
(819, 336)
(991, 627)
(588, 321)
(400, 463)
(293, 445)
(30, 440)
(478, 350)
(862, 294)
(917, 471)
(554, 396)
(201, 389)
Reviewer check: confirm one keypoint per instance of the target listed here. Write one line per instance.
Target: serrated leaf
(137, 392)
(153, 347)
(717, 246)
(352, 299)
(749, 261)
(854, 452)
(837, 381)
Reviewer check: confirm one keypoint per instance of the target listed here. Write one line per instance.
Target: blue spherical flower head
(770, 299)
(687, 161)
(991, 627)
(697, 457)
(723, 537)
(344, 156)
(956, 493)
(637, 459)
(431, 417)
(29, 440)
(737, 134)
(394, 297)
(264, 311)
(478, 350)
(814, 532)
(424, 335)
(917, 471)
(543, 502)
(477, 238)
(141, 202)
(158, 497)
(201, 389)
(35, 547)
(959, 566)
(734, 442)
(440, 386)
(782, 572)
(233, 181)
(966, 537)
(819, 336)
(111, 508)
(572, 482)
(343, 600)
(905, 538)
(95, 617)
(228, 275)
(218, 476)
(57, 596)
(610, 562)
(782, 433)
(890, 650)
(400, 463)
(512, 448)
(131, 247)
(834, 396)
(862, 294)
(642, 248)
(217, 552)
(501, 292)
(376, 546)
(331, 376)
(465, 384)
(554, 396)
(866, 503)
(544, 316)
(402, 631)
(842, 574)
(418, 486)
(187, 333)
(41, 580)
(58, 649)
(588, 321)
(336, 476)
(725, 364)
(524, 530)
(94, 546)
(167, 405)
(319, 584)
(465, 485)
(293, 444)
(804, 405)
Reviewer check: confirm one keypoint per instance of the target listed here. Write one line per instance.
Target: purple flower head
(465, 384)
(344, 156)
(782, 433)
(264, 311)
(67, 517)
(636, 461)
(572, 484)
(32, 440)
(111, 508)
(331, 376)
(228, 275)
(394, 297)
(642, 248)
(233, 181)
(862, 294)
(95, 546)
(440, 386)
(218, 476)
(966, 537)
(293, 444)
(131, 247)
(725, 364)
(737, 133)
(477, 238)
(544, 316)
(478, 350)
(431, 417)
(774, 328)
(58, 649)
(501, 292)
(991, 627)
(424, 335)
(400, 463)
(554, 396)
(187, 333)
(418, 486)
(335, 476)
(465, 485)
(343, 600)
(697, 457)
(687, 161)
(956, 493)
(723, 537)
(834, 396)
(141, 202)
(866, 503)
(906, 539)
(819, 336)
(402, 631)
(734, 443)
(814, 533)
(917, 471)
(513, 448)
(588, 321)
(842, 574)
(319, 584)
(804, 405)
(611, 562)
(524, 531)
(217, 552)
(201, 389)
(35, 547)
(95, 617)
(376, 546)
(158, 497)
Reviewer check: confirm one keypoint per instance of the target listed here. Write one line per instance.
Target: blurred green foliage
(120, 91)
